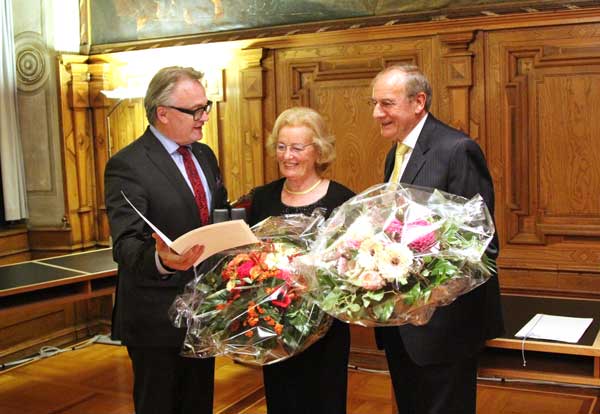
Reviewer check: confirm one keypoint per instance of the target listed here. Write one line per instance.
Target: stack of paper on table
(555, 328)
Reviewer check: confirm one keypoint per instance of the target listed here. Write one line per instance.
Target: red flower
(243, 270)
(284, 302)
(283, 299)
(284, 275)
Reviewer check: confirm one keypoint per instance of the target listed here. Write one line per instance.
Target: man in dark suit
(175, 182)
(434, 366)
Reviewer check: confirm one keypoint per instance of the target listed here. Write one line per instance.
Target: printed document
(215, 237)
(555, 328)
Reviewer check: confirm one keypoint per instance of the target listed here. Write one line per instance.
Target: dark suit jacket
(147, 175)
(447, 159)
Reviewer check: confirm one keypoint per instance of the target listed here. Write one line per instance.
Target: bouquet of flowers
(392, 254)
(251, 306)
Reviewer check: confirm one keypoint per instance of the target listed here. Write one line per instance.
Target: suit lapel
(161, 159)
(418, 158)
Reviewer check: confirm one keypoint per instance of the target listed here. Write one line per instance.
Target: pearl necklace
(312, 187)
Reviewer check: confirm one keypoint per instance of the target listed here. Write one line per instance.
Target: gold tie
(400, 151)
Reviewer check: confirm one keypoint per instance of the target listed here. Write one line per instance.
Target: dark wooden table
(56, 280)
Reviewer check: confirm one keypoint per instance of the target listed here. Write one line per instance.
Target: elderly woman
(314, 381)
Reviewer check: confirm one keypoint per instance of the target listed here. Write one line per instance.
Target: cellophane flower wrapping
(252, 305)
(392, 254)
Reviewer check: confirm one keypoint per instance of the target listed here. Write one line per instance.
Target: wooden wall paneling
(100, 105)
(271, 168)
(23, 334)
(336, 81)
(551, 282)
(456, 74)
(242, 139)
(21, 331)
(213, 83)
(79, 229)
(126, 122)
(252, 94)
(81, 198)
(543, 99)
(14, 245)
(363, 351)
(231, 141)
(344, 105)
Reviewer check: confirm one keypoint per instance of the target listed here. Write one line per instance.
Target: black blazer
(447, 159)
(147, 175)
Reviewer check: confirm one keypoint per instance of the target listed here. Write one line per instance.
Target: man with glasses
(175, 182)
(434, 366)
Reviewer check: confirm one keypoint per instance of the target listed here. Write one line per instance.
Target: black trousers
(449, 388)
(166, 383)
(313, 382)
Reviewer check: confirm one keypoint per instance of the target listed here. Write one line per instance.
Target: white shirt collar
(411, 138)
(170, 145)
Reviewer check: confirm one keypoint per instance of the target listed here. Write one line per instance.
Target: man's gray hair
(416, 81)
(161, 87)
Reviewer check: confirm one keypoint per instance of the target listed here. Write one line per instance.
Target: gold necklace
(312, 187)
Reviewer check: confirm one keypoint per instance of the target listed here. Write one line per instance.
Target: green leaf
(375, 295)
(330, 301)
(384, 310)
(413, 295)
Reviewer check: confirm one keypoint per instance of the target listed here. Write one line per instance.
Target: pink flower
(394, 227)
(370, 280)
(352, 244)
(342, 265)
(420, 240)
(243, 270)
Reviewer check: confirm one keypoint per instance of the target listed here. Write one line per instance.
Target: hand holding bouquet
(251, 305)
(392, 254)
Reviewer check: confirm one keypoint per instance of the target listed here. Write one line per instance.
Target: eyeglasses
(294, 148)
(384, 104)
(196, 113)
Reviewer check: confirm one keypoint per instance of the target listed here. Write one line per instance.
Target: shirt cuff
(162, 269)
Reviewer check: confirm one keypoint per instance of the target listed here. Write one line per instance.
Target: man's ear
(420, 100)
(161, 114)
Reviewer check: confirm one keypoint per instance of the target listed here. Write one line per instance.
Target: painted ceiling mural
(114, 21)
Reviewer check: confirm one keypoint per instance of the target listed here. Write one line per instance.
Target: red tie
(192, 173)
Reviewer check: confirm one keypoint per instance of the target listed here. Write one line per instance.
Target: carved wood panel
(99, 81)
(336, 81)
(80, 227)
(543, 105)
(126, 122)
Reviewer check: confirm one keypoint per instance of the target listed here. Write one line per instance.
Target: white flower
(367, 254)
(360, 229)
(277, 261)
(394, 262)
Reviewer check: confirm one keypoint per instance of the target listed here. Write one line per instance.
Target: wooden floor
(97, 380)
